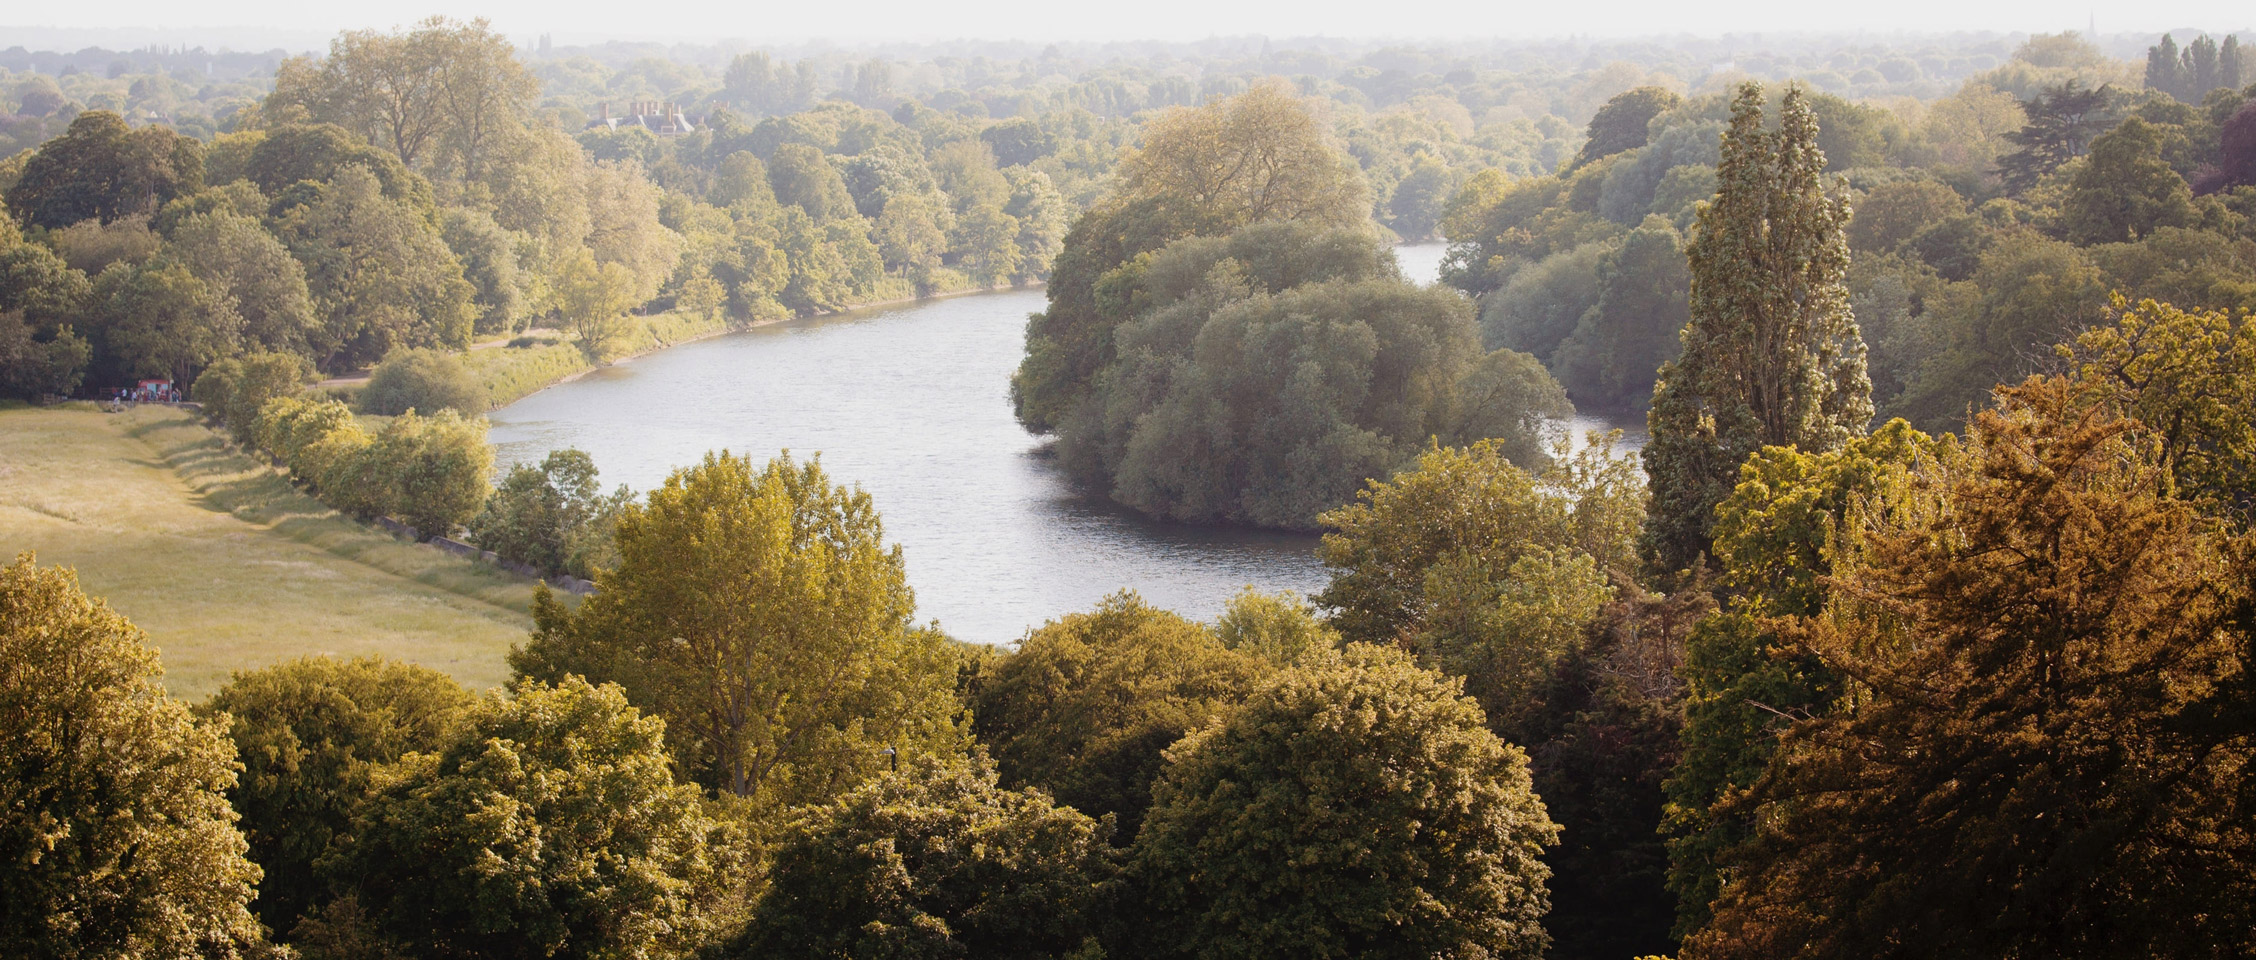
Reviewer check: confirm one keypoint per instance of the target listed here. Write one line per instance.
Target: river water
(912, 404)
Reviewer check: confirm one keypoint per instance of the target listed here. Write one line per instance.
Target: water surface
(912, 404)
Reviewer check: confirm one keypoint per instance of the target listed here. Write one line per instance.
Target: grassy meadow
(228, 566)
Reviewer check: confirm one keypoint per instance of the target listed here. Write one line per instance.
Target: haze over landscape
(1233, 481)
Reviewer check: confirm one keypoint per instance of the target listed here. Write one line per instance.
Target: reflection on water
(912, 404)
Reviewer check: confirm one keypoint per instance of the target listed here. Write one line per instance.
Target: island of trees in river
(1921, 625)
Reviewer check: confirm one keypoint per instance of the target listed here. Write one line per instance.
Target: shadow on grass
(225, 480)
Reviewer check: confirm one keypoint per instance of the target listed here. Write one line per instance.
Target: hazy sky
(880, 20)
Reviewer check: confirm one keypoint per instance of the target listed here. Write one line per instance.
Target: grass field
(225, 564)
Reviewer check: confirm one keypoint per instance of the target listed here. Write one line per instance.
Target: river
(912, 403)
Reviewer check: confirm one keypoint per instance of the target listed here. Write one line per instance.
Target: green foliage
(1084, 706)
(1261, 377)
(2124, 190)
(1771, 354)
(1354, 806)
(236, 389)
(1483, 569)
(2047, 754)
(2027, 295)
(380, 274)
(424, 380)
(1614, 355)
(1786, 527)
(311, 735)
(31, 368)
(101, 169)
(2188, 376)
(2062, 121)
(1893, 213)
(759, 613)
(1622, 123)
(548, 824)
(1280, 627)
(115, 834)
(434, 470)
(935, 862)
(553, 516)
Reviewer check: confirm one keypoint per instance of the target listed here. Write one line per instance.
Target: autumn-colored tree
(116, 839)
(2045, 746)
(1277, 627)
(759, 612)
(1354, 806)
(548, 825)
(311, 734)
(1785, 528)
(1771, 356)
(935, 861)
(1088, 701)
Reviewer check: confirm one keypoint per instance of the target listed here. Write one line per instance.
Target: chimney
(606, 111)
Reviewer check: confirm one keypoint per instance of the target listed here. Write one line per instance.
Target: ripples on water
(912, 404)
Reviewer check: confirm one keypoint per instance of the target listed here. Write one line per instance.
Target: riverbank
(512, 373)
(229, 567)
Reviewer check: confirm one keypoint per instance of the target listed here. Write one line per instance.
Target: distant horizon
(300, 27)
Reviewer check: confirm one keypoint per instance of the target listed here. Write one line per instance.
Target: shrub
(425, 380)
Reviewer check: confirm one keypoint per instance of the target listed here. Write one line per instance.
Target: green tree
(1280, 627)
(423, 380)
(1483, 569)
(2125, 190)
(2190, 377)
(115, 834)
(801, 176)
(1621, 124)
(380, 273)
(311, 734)
(552, 516)
(758, 611)
(261, 284)
(2060, 124)
(938, 861)
(432, 472)
(1084, 706)
(489, 262)
(592, 300)
(1614, 356)
(234, 390)
(1895, 212)
(1355, 806)
(101, 169)
(1771, 354)
(548, 825)
(2048, 753)
(160, 321)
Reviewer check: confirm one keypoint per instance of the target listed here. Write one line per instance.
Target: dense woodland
(1921, 626)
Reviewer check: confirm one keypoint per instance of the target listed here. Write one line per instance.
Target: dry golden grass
(228, 566)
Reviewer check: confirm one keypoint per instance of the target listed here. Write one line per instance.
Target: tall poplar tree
(1772, 356)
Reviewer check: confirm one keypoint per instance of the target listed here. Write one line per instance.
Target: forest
(1921, 623)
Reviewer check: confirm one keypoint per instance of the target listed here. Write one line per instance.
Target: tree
(2190, 378)
(1259, 156)
(1614, 355)
(432, 471)
(2236, 151)
(592, 300)
(380, 274)
(312, 734)
(1622, 123)
(2048, 752)
(115, 834)
(31, 368)
(489, 262)
(2125, 190)
(160, 321)
(552, 516)
(1355, 806)
(1786, 528)
(442, 95)
(623, 227)
(759, 613)
(1895, 212)
(2165, 69)
(938, 861)
(1280, 628)
(547, 825)
(1084, 706)
(101, 169)
(2061, 123)
(253, 273)
(1771, 355)
(800, 175)
(1484, 570)
(424, 380)
(234, 390)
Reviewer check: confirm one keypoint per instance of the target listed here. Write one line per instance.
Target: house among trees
(662, 117)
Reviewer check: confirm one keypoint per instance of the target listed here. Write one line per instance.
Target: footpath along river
(912, 403)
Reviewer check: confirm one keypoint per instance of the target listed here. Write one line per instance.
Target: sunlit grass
(228, 566)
